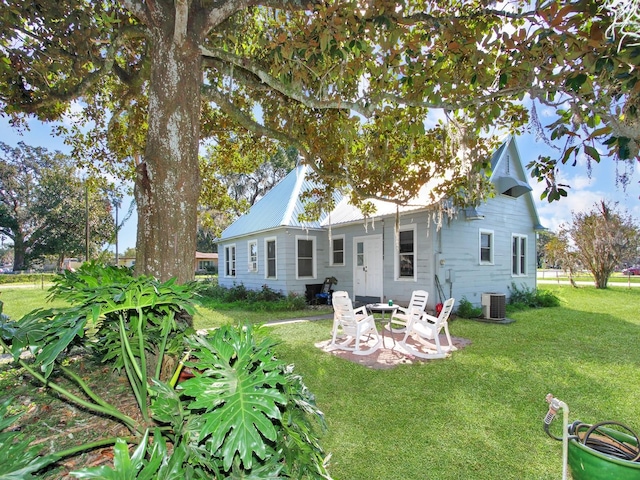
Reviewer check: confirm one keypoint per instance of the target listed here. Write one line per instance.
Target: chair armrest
(361, 311)
(429, 318)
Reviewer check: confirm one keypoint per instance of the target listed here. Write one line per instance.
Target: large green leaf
(235, 391)
(125, 467)
(166, 405)
(47, 333)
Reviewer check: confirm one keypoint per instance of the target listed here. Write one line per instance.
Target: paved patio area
(390, 355)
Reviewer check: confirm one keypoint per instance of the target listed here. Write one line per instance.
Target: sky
(586, 189)
(40, 135)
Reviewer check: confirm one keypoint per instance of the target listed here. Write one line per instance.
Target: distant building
(206, 262)
(126, 261)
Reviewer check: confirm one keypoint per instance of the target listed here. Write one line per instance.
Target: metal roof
(279, 207)
(282, 205)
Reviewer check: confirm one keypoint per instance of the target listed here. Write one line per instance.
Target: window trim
(492, 246)
(414, 229)
(313, 257)
(522, 270)
(252, 264)
(332, 252)
(266, 257)
(230, 262)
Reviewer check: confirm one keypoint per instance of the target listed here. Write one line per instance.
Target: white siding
(459, 249)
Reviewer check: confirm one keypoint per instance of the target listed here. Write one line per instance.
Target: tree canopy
(44, 206)
(599, 241)
(380, 97)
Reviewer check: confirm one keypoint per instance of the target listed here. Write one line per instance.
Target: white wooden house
(482, 250)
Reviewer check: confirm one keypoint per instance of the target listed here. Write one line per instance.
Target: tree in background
(381, 98)
(600, 240)
(542, 240)
(206, 241)
(229, 172)
(43, 206)
(557, 252)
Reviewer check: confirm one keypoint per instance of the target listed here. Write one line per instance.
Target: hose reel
(600, 437)
(602, 451)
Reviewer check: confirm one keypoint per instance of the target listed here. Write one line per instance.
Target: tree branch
(250, 124)
(223, 10)
(140, 9)
(289, 91)
(181, 21)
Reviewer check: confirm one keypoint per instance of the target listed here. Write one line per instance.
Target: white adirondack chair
(424, 331)
(356, 327)
(402, 315)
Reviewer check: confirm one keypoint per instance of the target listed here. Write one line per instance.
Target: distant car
(631, 271)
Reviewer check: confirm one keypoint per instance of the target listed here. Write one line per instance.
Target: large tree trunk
(168, 180)
(19, 252)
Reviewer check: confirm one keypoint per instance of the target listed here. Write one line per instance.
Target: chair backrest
(447, 308)
(418, 300)
(343, 308)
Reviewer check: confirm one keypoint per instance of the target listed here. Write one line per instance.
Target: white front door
(367, 270)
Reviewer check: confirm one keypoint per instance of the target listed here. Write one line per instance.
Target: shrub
(244, 414)
(467, 310)
(526, 297)
(264, 300)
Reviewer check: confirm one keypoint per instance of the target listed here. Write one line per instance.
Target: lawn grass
(20, 299)
(477, 415)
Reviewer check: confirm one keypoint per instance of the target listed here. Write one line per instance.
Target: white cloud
(583, 195)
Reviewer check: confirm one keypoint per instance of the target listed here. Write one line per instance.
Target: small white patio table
(383, 308)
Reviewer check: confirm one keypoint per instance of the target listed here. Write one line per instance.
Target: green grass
(477, 415)
(21, 299)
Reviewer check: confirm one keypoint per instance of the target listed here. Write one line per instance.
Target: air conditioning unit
(494, 306)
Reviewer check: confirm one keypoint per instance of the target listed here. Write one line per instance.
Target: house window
(230, 261)
(252, 248)
(270, 258)
(519, 255)
(486, 247)
(205, 264)
(337, 250)
(406, 257)
(305, 259)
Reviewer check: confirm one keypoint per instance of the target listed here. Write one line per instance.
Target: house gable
(280, 207)
(507, 172)
(510, 178)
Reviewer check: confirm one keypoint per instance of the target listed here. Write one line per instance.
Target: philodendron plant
(243, 414)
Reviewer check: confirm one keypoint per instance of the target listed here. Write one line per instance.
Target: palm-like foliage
(244, 414)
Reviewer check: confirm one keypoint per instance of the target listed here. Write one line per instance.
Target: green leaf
(166, 405)
(234, 392)
(325, 38)
(624, 152)
(503, 80)
(592, 152)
